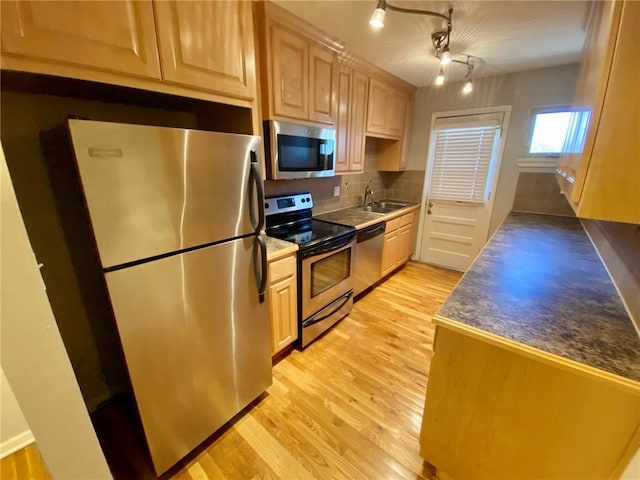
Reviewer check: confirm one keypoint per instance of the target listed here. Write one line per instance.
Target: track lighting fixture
(445, 56)
(468, 85)
(440, 39)
(377, 18)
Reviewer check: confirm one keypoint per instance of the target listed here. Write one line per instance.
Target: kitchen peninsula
(536, 370)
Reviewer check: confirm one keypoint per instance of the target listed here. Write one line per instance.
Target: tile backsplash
(540, 193)
(406, 185)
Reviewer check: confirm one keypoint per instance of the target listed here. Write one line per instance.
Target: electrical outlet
(336, 191)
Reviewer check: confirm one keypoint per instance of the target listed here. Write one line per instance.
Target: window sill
(537, 164)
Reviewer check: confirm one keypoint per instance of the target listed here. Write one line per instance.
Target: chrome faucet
(368, 195)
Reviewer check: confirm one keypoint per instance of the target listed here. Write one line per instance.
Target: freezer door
(153, 190)
(196, 341)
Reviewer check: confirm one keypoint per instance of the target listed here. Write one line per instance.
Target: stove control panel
(287, 203)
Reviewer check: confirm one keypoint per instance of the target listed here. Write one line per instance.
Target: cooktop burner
(309, 233)
(289, 218)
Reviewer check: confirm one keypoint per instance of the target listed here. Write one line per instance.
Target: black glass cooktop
(310, 232)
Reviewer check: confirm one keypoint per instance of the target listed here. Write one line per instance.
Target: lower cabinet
(494, 410)
(283, 298)
(398, 242)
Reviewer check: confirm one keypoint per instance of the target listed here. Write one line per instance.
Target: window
(461, 162)
(557, 131)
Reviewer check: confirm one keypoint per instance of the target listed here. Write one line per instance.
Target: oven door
(326, 274)
(299, 151)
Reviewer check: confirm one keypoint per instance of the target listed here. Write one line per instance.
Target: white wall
(34, 359)
(14, 430)
(522, 90)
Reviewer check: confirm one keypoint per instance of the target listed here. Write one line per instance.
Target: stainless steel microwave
(298, 151)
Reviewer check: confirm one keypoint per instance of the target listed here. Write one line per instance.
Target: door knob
(430, 204)
(429, 212)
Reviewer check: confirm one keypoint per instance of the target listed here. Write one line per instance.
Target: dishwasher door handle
(372, 231)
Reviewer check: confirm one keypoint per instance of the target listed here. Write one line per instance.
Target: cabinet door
(404, 244)
(611, 188)
(115, 36)
(290, 67)
(342, 120)
(590, 90)
(377, 108)
(397, 113)
(208, 45)
(321, 80)
(389, 252)
(284, 315)
(357, 120)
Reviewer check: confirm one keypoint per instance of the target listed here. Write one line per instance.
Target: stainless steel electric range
(326, 258)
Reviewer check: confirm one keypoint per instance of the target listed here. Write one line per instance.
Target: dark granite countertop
(540, 282)
(358, 218)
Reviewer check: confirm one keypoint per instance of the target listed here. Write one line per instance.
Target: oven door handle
(312, 320)
(333, 246)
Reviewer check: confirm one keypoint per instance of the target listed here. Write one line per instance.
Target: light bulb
(445, 56)
(377, 19)
(440, 77)
(468, 87)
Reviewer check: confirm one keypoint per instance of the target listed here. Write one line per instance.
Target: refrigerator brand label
(105, 152)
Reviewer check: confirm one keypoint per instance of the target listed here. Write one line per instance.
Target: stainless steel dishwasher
(368, 256)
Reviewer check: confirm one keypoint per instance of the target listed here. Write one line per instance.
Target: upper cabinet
(207, 45)
(290, 71)
(351, 98)
(386, 110)
(190, 48)
(321, 84)
(298, 68)
(117, 36)
(603, 182)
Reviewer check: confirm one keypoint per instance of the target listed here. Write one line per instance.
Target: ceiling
(505, 36)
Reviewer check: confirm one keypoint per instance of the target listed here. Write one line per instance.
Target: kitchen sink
(384, 206)
(391, 204)
(377, 209)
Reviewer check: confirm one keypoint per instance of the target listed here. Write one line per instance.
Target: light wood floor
(24, 464)
(348, 407)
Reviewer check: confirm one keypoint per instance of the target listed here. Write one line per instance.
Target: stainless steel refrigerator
(177, 217)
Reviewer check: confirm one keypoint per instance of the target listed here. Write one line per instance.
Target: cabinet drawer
(279, 269)
(407, 219)
(393, 224)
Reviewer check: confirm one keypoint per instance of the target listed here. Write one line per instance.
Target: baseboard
(16, 443)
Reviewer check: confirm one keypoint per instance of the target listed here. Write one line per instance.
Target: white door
(464, 159)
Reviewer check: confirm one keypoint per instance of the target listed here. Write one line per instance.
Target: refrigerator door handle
(256, 181)
(260, 271)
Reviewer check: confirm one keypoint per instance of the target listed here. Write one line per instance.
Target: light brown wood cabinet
(298, 70)
(351, 99)
(283, 301)
(194, 49)
(398, 242)
(117, 36)
(321, 84)
(290, 70)
(497, 409)
(207, 45)
(603, 182)
(386, 110)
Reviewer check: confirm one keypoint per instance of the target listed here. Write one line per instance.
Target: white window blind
(461, 163)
